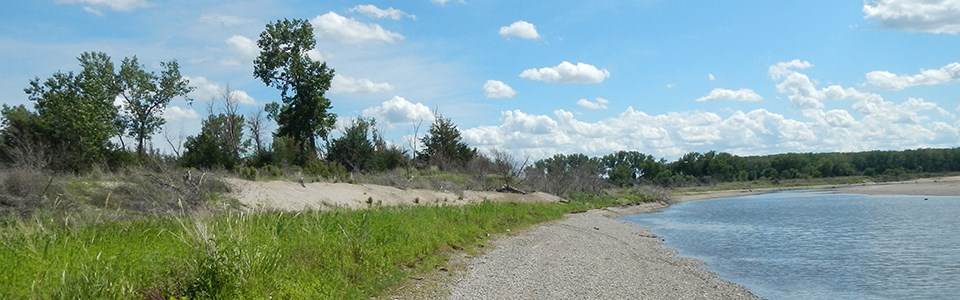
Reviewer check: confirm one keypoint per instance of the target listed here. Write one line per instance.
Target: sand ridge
(294, 196)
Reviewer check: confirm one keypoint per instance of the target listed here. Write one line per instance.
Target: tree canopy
(146, 95)
(284, 63)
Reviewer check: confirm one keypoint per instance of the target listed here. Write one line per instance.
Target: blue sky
(545, 77)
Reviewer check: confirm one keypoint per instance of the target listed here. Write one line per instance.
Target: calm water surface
(806, 245)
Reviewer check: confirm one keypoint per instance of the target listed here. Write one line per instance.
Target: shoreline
(589, 255)
(936, 186)
(595, 255)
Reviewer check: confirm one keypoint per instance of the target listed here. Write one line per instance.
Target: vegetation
(308, 255)
(284, 63)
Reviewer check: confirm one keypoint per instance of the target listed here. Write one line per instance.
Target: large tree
(146, 95)
(284, 64)
(76, 111)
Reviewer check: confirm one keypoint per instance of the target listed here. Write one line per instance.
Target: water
(806, 245)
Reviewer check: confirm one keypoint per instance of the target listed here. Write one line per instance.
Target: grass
(307, 255)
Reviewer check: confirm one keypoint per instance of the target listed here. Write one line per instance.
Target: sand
(292, 196)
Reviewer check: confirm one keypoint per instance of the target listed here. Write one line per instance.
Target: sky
(538, 78)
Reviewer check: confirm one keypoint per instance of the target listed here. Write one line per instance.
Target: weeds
(336, 254)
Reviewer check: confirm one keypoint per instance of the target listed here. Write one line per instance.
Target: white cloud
(567, 72)
(176, 113)
(206, 90)
(744, 133)
(246, 47)
(600, 103)
(224, 20)
(117, 5)
(711, 77)
(348, 85)
(744, 95)
(891, 81)
(350, 31)
(398, 110)
(498, 90)
(869, 122)
(373, 11)
(930, 16)
(520, 29)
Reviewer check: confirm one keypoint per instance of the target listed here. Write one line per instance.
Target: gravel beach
(589, 255)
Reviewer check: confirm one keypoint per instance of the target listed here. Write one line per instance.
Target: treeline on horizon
(76, 127)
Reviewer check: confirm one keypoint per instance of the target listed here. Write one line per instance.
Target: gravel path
(588, 256)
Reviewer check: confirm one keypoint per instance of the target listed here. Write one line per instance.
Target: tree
(220, 142)
(215, 146)
(354, 150)
(284, 64)
(22, 141)
(443, 146)
(77, 111)
(146, 95)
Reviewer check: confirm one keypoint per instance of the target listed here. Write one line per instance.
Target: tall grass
(307, 255)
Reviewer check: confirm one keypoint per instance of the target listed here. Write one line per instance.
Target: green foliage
(23, 139)
(76, 112)
(308, 255)
(354, 150)
(146, 95)
(284, 64)
(219, 144)
(563, 173)
(443, 146)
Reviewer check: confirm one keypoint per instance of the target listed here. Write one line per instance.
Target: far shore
(936, 186)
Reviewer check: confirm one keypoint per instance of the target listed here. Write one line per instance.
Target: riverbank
(936, 186)
(589, 255)
(592, 255)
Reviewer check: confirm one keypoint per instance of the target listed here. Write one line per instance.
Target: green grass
(307, 255)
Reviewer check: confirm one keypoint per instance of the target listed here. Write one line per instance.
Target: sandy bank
(938, 186)
(292, 196)
(589, 256)
(941, 186)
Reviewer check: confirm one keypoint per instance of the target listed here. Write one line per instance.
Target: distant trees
(146, 95)
(443, 146)
(354, 150)
(283, 63)
(220, 143)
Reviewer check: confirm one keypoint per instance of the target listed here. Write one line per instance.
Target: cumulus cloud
(496, 89)
(244, 46)
(868, 122)
(567, 72)
(891, 81)
(711, 77)
(206, 90)
(117, 5)
(373, 11)
(398, 111)
(520, 29)
(350, 31)
(348, 85)
(176, 113)
(744, 95)
(930, 16)
(600, 103)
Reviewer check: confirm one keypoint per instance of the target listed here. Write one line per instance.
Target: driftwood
(509, 189)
